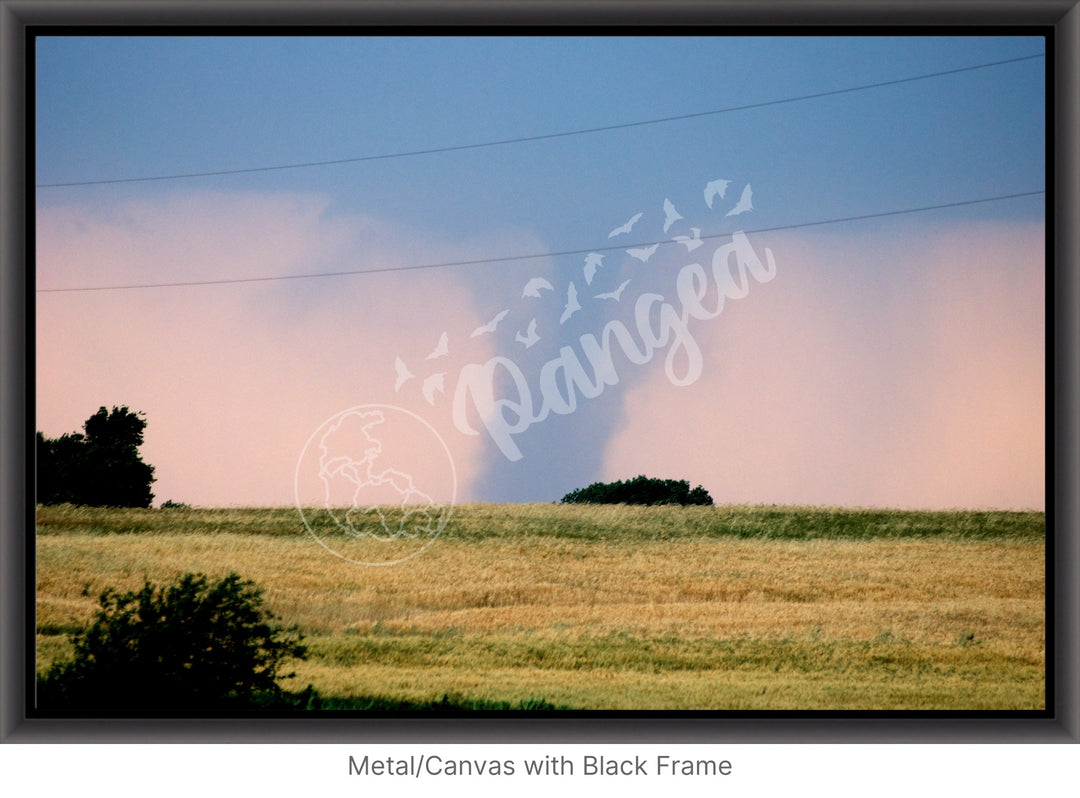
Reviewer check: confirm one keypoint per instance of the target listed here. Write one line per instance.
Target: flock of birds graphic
(434, 383)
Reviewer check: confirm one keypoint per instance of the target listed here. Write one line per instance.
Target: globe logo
(375, 484)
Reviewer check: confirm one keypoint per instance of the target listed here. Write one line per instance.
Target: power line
(543, 136)
(532, 256)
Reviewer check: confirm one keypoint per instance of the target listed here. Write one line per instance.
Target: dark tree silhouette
(61, 464)
(101, 467)
(639, 490)
(193, 645)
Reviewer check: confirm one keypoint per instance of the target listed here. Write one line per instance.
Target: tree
(61, 465)
(190, 646)
(640, 490)
(100, 468)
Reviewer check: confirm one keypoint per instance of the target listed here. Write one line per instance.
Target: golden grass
(510, 609)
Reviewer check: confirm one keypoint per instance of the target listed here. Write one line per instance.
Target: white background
(880, 771)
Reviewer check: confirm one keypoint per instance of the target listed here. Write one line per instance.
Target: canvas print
(540, 374)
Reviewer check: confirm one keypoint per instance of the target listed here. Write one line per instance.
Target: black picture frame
(20, 19)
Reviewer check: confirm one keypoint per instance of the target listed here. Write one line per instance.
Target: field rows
(669, 613)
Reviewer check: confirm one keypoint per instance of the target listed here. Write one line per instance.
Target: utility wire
(543, 136)
(533, 256)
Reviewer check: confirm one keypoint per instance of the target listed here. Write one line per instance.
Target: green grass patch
(621, 652)
(447, 703)
(594, 523)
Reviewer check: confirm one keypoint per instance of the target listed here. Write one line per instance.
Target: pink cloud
(235, 378)
(904, 370)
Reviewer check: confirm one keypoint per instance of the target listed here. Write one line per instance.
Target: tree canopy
(99, 467)
(639, 490)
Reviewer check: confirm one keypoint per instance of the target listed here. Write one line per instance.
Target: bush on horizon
(640, 490)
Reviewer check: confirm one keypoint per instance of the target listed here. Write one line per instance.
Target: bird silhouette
(642, 253)
(743, 205)
(626, 228)
(530, 337)
(572, 305)
(593, 261)
(670, 215)
(691, 242)
(440, 348)
(490, 326)
(715, 188)
(431, 385)
(402, 372)
(616, 294)
(532, 288)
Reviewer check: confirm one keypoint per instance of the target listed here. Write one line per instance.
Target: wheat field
(612, 607)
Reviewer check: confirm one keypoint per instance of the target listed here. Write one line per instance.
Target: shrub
(640, 490)
(190, 646)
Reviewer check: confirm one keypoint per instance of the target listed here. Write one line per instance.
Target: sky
(456, 234)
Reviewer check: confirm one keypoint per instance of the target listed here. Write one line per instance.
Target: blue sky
(116, 107)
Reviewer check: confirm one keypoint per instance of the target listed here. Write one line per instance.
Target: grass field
(612, 607)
